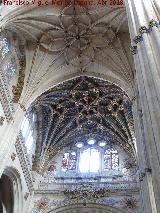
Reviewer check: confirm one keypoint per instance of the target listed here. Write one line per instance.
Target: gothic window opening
(7, 187)
(29, 143)
(8, 57)
(25, 127)
(9, 68)
(92, 157)
(27, 134)
(89, 160)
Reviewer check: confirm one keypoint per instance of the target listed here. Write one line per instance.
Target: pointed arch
(89, 207)
(11, 184)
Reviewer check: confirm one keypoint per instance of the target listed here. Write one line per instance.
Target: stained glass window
(51, 168)
(7, 57)
(89, 160)
(4, 46)
(10, 68)
(69, 161)
(111, 160)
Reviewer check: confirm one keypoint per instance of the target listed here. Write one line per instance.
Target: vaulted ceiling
(79, 109)
(62, 42)
(67, 44)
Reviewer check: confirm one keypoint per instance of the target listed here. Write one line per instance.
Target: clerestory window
(89, 160)
(91, 157)
(7, 56)
(27, 134)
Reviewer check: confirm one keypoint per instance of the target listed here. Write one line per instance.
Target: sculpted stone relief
(128, 204)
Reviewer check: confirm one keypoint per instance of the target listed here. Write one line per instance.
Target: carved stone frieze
(138, 39)
(133, 50)
(24, 161)
(153, 23)
(5, 99)
(19, 87)
(124, 200)
(144, 29)
(85, 192)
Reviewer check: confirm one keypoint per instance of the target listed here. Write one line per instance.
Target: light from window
(34, 118)
(25, 127)
(79, 144)
(29, 143)
(89, 160)
(27, 135)
(91, 141)
(102, 143)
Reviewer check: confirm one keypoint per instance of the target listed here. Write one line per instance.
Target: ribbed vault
(77, 110)
(62, 42)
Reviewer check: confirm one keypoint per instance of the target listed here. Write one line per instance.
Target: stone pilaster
(142, 157)
(144, 27)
